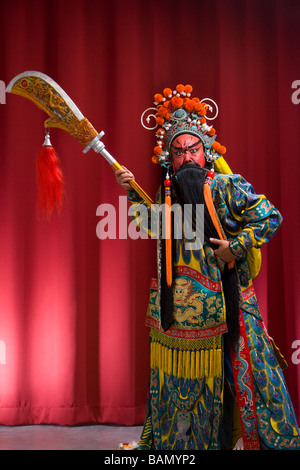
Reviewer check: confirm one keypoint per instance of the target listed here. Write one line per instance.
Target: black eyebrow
(189, 147)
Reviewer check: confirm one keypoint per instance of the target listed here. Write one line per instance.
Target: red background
(72, 307)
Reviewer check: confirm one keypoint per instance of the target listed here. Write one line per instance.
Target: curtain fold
(73, 345)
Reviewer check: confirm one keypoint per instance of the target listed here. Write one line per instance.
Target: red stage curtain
(73, 346)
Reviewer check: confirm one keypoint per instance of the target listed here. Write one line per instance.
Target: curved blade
(51, 98)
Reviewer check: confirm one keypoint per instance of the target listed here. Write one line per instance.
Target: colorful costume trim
(244, 387)
(184, 406)
(276, 418)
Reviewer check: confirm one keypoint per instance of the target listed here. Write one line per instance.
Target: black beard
(188, 184)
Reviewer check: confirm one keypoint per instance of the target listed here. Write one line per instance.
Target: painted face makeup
(187, 148)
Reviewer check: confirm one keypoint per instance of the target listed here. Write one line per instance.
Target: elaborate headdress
(178, 113)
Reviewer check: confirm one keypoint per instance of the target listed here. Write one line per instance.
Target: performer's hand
(123, 177)
(223, 250)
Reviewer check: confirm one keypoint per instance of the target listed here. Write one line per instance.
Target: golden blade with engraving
(64, 114)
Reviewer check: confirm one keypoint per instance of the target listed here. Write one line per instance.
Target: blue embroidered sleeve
(249, 220)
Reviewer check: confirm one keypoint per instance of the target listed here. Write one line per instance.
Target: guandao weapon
(64, 114)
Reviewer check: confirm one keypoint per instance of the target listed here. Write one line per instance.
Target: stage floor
(94, 437)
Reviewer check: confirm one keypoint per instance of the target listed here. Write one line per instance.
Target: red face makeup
(187, 148)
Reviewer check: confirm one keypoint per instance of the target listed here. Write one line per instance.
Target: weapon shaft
(98, 146)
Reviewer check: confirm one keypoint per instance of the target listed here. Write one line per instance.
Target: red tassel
(50, 178)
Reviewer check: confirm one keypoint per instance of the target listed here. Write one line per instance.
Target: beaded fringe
(186, 364)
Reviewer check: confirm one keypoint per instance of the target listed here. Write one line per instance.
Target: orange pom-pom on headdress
(163, 112)
(177, 102)
(168, 105)
(188, 89)
(157, 150)
(167, 92)
(160, 120)
(199, 107)
(189, 105)
(180, 88)
(158, 98)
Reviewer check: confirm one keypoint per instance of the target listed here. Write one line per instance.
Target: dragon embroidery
(191, 306)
